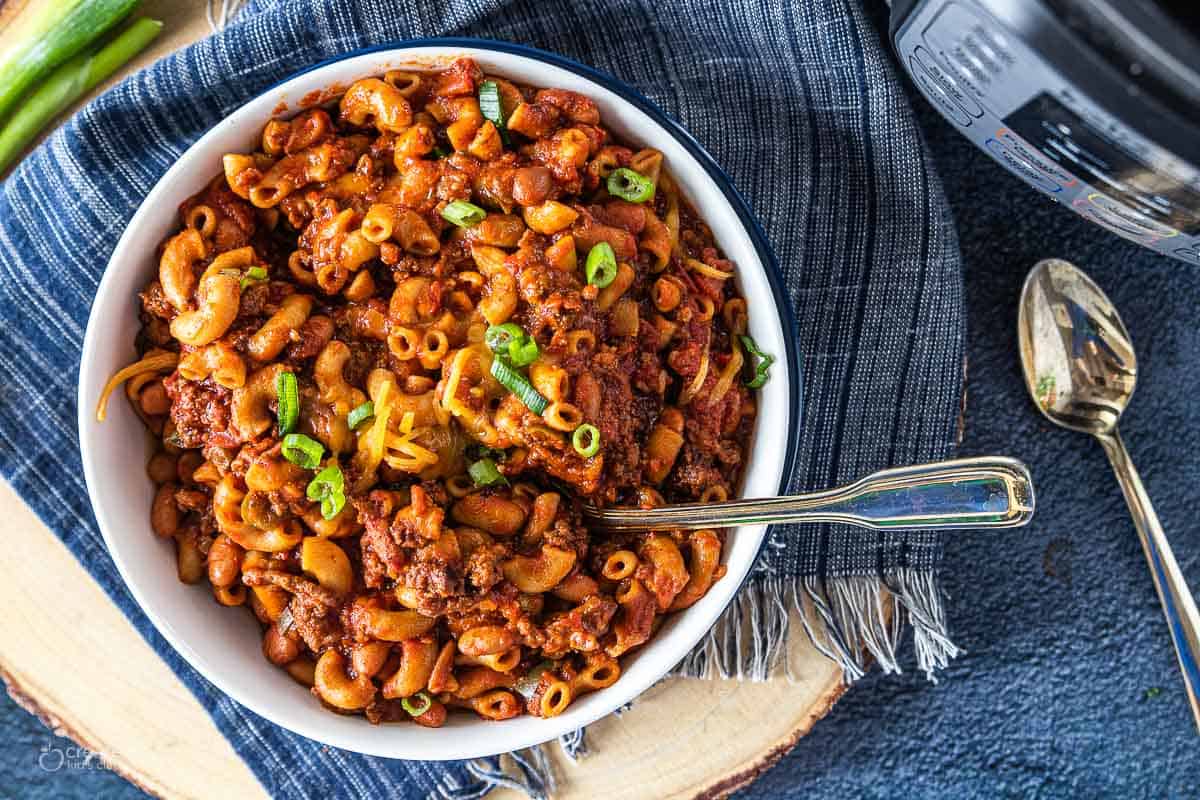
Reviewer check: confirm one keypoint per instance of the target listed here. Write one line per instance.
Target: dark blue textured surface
(1069, 686)
(1062, 628)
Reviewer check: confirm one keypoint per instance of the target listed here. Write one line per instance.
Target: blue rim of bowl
(739, 203)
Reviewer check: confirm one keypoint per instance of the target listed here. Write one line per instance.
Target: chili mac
(388, 356)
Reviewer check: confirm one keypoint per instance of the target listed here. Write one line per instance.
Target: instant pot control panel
(983, 73)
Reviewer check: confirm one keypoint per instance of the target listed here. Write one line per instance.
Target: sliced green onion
(332, 505)
(490, 107)
(523, 353)
(302, 451)
(508, 339)
(601, 266)
(326, 482)
(360, 414)
(499, 337)
(418, 704)
(519, 385)
(589, 434)
(463, 214)
(67, 83)
(287, 392)
(254, 275)
(439, 151)
(762, 367)
(629, 185)
(484, 473)
(489, 103)
(328, 486)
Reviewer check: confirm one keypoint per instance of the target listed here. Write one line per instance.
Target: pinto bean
(224, 562)
(532, 185)
(154, 399)
(164, 513)
(278, 647)
(161, 467)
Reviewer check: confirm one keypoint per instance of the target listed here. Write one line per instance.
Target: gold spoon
(1081, 370)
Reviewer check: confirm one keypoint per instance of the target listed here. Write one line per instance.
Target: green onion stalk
(68, 83)
(45, 35)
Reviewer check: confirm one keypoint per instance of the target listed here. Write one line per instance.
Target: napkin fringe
(221, 12)
(849, 619)
(530, 772)
(574, 744)
(919, 593)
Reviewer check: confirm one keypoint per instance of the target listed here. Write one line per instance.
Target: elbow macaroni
(458, 559)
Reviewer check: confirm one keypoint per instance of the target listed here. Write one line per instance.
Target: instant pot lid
(1139, 59)
(1153, 44)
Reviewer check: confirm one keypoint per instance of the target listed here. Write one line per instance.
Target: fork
(982, 492)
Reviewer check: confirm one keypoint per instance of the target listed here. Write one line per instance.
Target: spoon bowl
(1079, 363)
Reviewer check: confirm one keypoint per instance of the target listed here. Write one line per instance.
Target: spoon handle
(1177, 601)
(987, 492)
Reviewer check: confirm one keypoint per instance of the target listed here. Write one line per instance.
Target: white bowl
(224, 645)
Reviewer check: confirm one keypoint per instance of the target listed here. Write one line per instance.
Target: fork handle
(985, 492)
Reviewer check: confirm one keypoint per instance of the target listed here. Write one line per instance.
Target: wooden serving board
(72, 658)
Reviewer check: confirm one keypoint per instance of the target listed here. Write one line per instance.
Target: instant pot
(1095, 103)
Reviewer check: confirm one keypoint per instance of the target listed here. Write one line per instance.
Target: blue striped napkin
(796, 100)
